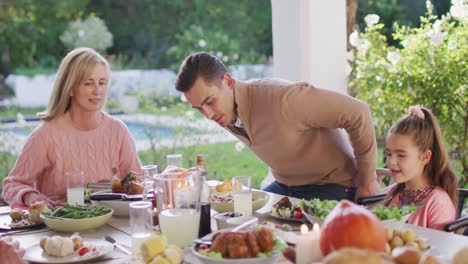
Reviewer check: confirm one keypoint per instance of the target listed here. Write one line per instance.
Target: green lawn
(220, 158)
(11, 112)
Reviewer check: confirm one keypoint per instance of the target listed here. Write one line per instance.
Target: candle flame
(316, 228)
(304, 229)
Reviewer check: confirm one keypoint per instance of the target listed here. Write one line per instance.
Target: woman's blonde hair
(74, 68)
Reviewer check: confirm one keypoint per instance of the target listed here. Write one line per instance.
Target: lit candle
(308, 245)
(303, 246)
(316, 251)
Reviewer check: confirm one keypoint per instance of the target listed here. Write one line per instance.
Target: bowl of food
(221, 218)
(223, 202)
(76, 218)
(257, 246)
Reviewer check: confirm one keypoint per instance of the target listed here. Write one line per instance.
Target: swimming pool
(138, 130)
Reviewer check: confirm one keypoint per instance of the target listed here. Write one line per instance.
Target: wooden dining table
(442, 244)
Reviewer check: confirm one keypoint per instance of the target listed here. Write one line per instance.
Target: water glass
(75, 187)
(149, 171)
(141, 223)
(242, 194)
(174, 160)
(178, 202)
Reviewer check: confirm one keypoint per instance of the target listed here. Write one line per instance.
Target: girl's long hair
(427, 135)
(74, 68)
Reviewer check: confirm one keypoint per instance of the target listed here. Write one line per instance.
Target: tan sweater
(293, 128)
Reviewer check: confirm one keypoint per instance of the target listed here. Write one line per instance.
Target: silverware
(24, 232)
(99, 185)
(122, 248)
(245, 224)
(237, 228)
(202, 241)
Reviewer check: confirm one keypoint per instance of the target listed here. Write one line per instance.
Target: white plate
(209, 260)
(290, 219)
(36, 254)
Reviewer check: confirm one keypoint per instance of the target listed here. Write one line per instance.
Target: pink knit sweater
(55, 148)
(438, 210)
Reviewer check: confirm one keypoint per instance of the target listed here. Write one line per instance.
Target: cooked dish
(235, 245)
(77, 211)
(58, 246)
(226, 186)
(20, 218)
(130, 184)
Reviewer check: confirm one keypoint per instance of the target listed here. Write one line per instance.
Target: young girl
(419, 165)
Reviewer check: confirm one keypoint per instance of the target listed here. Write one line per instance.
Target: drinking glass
(174, 159)
(149, 171)
(178, 203)
(141, 223)
(75, 187)
(242, 194)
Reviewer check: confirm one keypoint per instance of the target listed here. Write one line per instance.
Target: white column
(309, 42)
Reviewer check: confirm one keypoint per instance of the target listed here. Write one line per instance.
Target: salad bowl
(64, 224)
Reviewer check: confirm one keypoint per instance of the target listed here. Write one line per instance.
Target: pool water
(138, 130)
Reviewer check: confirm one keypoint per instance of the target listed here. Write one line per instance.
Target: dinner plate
(36, 254)
(290, 219)
(4, 227)
(210, 260)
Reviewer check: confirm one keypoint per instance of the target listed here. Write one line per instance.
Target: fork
(112, 240)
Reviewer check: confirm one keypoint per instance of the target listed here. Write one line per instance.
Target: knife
(99, 185)
(118, 196)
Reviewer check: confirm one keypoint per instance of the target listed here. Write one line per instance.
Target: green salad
(393, 212)
(318, 208)
(77, 211)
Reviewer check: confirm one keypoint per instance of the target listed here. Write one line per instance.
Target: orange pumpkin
(351, 225)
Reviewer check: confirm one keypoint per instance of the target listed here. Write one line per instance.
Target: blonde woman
(76, 135)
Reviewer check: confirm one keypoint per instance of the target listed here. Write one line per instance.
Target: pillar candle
(303, 246)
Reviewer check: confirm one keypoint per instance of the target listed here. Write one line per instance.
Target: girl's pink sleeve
(440, 211)
(30, 164)
(129, 160)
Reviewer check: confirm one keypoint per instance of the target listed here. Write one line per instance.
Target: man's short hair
(200, 64)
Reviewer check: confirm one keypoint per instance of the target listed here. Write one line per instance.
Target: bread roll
(59, 246)
(43, 242)
(16, 214)
(406, 255)
(353, 256)
(461, 257)
(77, 242)
(35, 211)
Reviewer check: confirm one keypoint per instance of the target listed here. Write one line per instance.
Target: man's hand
(370, 189)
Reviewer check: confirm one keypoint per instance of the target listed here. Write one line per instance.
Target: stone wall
(35, 91)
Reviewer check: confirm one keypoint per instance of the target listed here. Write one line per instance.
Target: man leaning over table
(293, 127)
